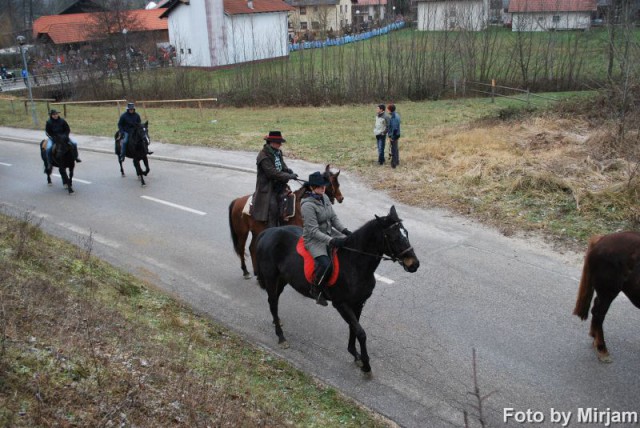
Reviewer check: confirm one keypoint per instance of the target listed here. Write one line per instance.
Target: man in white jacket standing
(380, 131)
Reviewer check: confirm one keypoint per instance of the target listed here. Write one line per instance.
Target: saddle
(309, 264)
(286, 205)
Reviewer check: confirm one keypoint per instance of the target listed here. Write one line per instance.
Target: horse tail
(234, 235)
(585, 290)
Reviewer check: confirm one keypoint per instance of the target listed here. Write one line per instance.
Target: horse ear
(146, 124)
(392, 212)
(327, 168)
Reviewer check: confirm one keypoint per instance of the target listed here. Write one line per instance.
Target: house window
(556, 18)
(303, 25)
(315, 25)
(540, 19)
(315, 8)
(189, 51)
(182, 51)
(303, 11)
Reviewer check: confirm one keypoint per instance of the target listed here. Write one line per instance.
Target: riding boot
(319, 279)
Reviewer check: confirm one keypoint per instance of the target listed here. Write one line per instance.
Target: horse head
(396, 241)
(62, 144)
(333, 189)
(140, 136)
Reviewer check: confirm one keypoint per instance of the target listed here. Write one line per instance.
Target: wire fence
(494, 90)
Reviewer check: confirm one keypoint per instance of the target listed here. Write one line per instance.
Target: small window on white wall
(556, 18)
(182, 51)
(189, 51)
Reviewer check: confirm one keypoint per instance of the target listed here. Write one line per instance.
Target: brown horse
(242, 224)
(611, 266)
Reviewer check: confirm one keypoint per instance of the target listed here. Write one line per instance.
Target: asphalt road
(510, 299)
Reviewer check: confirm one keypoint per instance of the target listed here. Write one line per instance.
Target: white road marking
(75, 179)
(383, 279)
(5, 164)
(171, 204)
(96, 237)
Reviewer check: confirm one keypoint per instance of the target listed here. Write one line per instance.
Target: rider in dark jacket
(127, 123)
(58, 126)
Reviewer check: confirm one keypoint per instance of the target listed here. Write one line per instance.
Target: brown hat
(274, 136)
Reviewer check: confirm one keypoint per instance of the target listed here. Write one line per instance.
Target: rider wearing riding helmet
(127, 123)
(319, 221)
(58, 126)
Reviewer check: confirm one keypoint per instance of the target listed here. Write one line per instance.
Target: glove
(346, 232)
(337, 242)
(293, 176)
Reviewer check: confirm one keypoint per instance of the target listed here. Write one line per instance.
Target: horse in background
(62, 157)
(242, 224)
(280, 264)
(136, 149)
(611, 265)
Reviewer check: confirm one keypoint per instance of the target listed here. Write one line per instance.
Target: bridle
(387, 245)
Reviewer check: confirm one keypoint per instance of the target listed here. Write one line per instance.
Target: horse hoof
(367, 375)
(71, 191)
(359, 362)
(605, 358)
(246, 275)
(284, 344)
(49, 184)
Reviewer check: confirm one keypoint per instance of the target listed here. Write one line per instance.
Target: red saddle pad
(309, 264)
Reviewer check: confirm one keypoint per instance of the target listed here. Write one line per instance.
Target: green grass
(78, 350)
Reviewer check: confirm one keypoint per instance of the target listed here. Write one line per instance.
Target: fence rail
(492, 88)
(144, 103)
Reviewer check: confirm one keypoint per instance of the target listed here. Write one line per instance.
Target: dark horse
(611, 266)
(242, 224)
(279, 264)
(136, 150)
(62, 157)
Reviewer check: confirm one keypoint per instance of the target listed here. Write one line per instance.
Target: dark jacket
(128, 121)
(57, 126)
(269, 181)
(394, 126)
(319, 220)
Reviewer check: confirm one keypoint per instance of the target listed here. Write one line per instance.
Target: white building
(546, 15)
(212, 33)
(438, 15)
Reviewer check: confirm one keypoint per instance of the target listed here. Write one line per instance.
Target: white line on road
(98, 238)
(75, 179)
(5, 164)
(383, 279)
(171, 204)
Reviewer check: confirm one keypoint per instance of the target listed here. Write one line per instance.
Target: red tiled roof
(238, 7)
(552, 6)
(371, 2)
(76, 27)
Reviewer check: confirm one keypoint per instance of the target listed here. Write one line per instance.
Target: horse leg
(349, 315)
(146, 165)
(136, 163)
(70, 180)
(274, 289)
(351, 346)
(599, 311)
(121, 168)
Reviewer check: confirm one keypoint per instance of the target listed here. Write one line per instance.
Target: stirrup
(319, 297)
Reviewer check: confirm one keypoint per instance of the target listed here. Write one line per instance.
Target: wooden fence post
(493, 90)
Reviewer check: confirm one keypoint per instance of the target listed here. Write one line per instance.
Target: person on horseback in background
(127, 123)
(319, 221)
(58, 126)
(272, 177)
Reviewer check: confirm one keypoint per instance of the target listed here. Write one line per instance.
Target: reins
(394, 258)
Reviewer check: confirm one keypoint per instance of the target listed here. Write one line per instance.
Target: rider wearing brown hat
(272, 177)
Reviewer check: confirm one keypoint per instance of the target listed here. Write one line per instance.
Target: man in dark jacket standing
(57, 126)
(394, 134)
(272, 177)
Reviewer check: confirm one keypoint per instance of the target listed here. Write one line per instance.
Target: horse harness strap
(393, 258)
